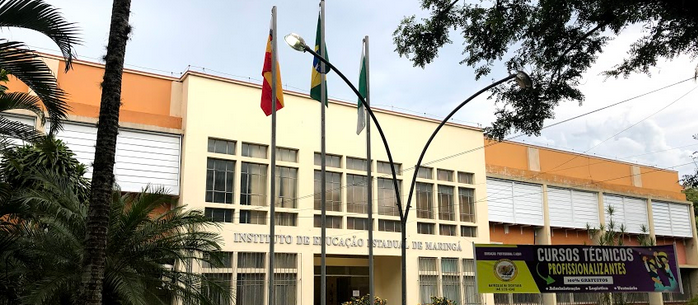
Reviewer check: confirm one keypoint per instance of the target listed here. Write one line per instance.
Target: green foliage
(365, 300)
(554, 41)
(692, 196)
(441, 301)
(43, 228)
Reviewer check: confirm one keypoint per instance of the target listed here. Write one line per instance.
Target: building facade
(206, 139)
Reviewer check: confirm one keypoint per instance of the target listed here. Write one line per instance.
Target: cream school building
(207, 140)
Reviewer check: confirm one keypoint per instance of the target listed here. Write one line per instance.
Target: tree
(556, 41)
(691, 181)
(43, 228)
(105, 150)
(692, 196)
(21, 62)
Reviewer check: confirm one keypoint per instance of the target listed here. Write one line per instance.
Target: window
(286, 187)
(332, 222)
(466, 204)
(286, 219)
(387, 202)
(466, 178)
(425, 228)
(253, 217)
(221, 146)
(446, 208)
(466, 231)
(250, 286)
(219, 215)
(384, 168)
(356, 194)
(219, 180)
(357, 223)
(424, 172)
(444, 175)
(450, 278)
(285, 278)
(286, 154)
(356, 164)
(216, 286)
(389, 225)
(333, 191)
(471, 296)
(425, 200)
(254, 150)
(253, 184)
(330, 160)
(428, 279)
(447, 230)
(219, 260)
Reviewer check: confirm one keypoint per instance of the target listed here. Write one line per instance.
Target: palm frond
(21, 100)
(28, 67)
(44, 18)
(10, 129)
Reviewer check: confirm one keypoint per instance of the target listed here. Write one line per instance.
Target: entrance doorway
(347, 277)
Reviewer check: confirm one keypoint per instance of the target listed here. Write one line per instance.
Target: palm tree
(43, 255)
(105, 151)
(21, 62)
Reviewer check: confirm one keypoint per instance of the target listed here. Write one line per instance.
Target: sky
(228, 38)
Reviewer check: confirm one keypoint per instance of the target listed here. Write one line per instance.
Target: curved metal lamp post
(522, 79)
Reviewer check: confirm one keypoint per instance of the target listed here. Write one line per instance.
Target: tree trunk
(105, 150)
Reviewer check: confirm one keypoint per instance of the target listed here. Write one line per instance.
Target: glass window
(389, 225)
(285, 278)
(250, 288)
(254, 150)
(471, 295)
(466, 204)
(286, 154)
(468, 266)
(356, 164)
(387, 202)
(253, 184)
(447, 230)
(424, 172)
(444, 175)
(216, 286)
(449, 265)
(286, 187)
(330, 160)
(356, 194)
(221, 146)
(425, 228)
(333, 191)
(332, 222)
(464, 177)
(451, 287)
(219, 180)
(285, 261)
(425, 200)
(286, 219)
(446, 208)
(219, 215)
(250, 260)
(220, 260)
(253, 217)
(357, 223)
(384, 168)
(466, 231)
(428, 279)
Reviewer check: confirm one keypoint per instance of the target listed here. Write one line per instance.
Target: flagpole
(369, 193)
(323, 178)
(272, 200)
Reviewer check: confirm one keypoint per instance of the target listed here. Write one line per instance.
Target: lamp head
(523, 80)
(296, 42)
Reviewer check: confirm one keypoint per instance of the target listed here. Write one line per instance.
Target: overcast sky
(228, 38)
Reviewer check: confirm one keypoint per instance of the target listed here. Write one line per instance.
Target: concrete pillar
(655, 298)
(544, 237)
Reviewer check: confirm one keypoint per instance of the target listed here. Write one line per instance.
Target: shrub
(441, 301)
(364, 300)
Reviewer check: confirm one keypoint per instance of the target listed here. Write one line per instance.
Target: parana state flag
(315, 79)
(361, 110)
(266, 83)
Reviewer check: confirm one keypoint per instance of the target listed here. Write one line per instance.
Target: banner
(578, 269)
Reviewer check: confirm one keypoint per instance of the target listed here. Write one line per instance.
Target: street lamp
(524, 81)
